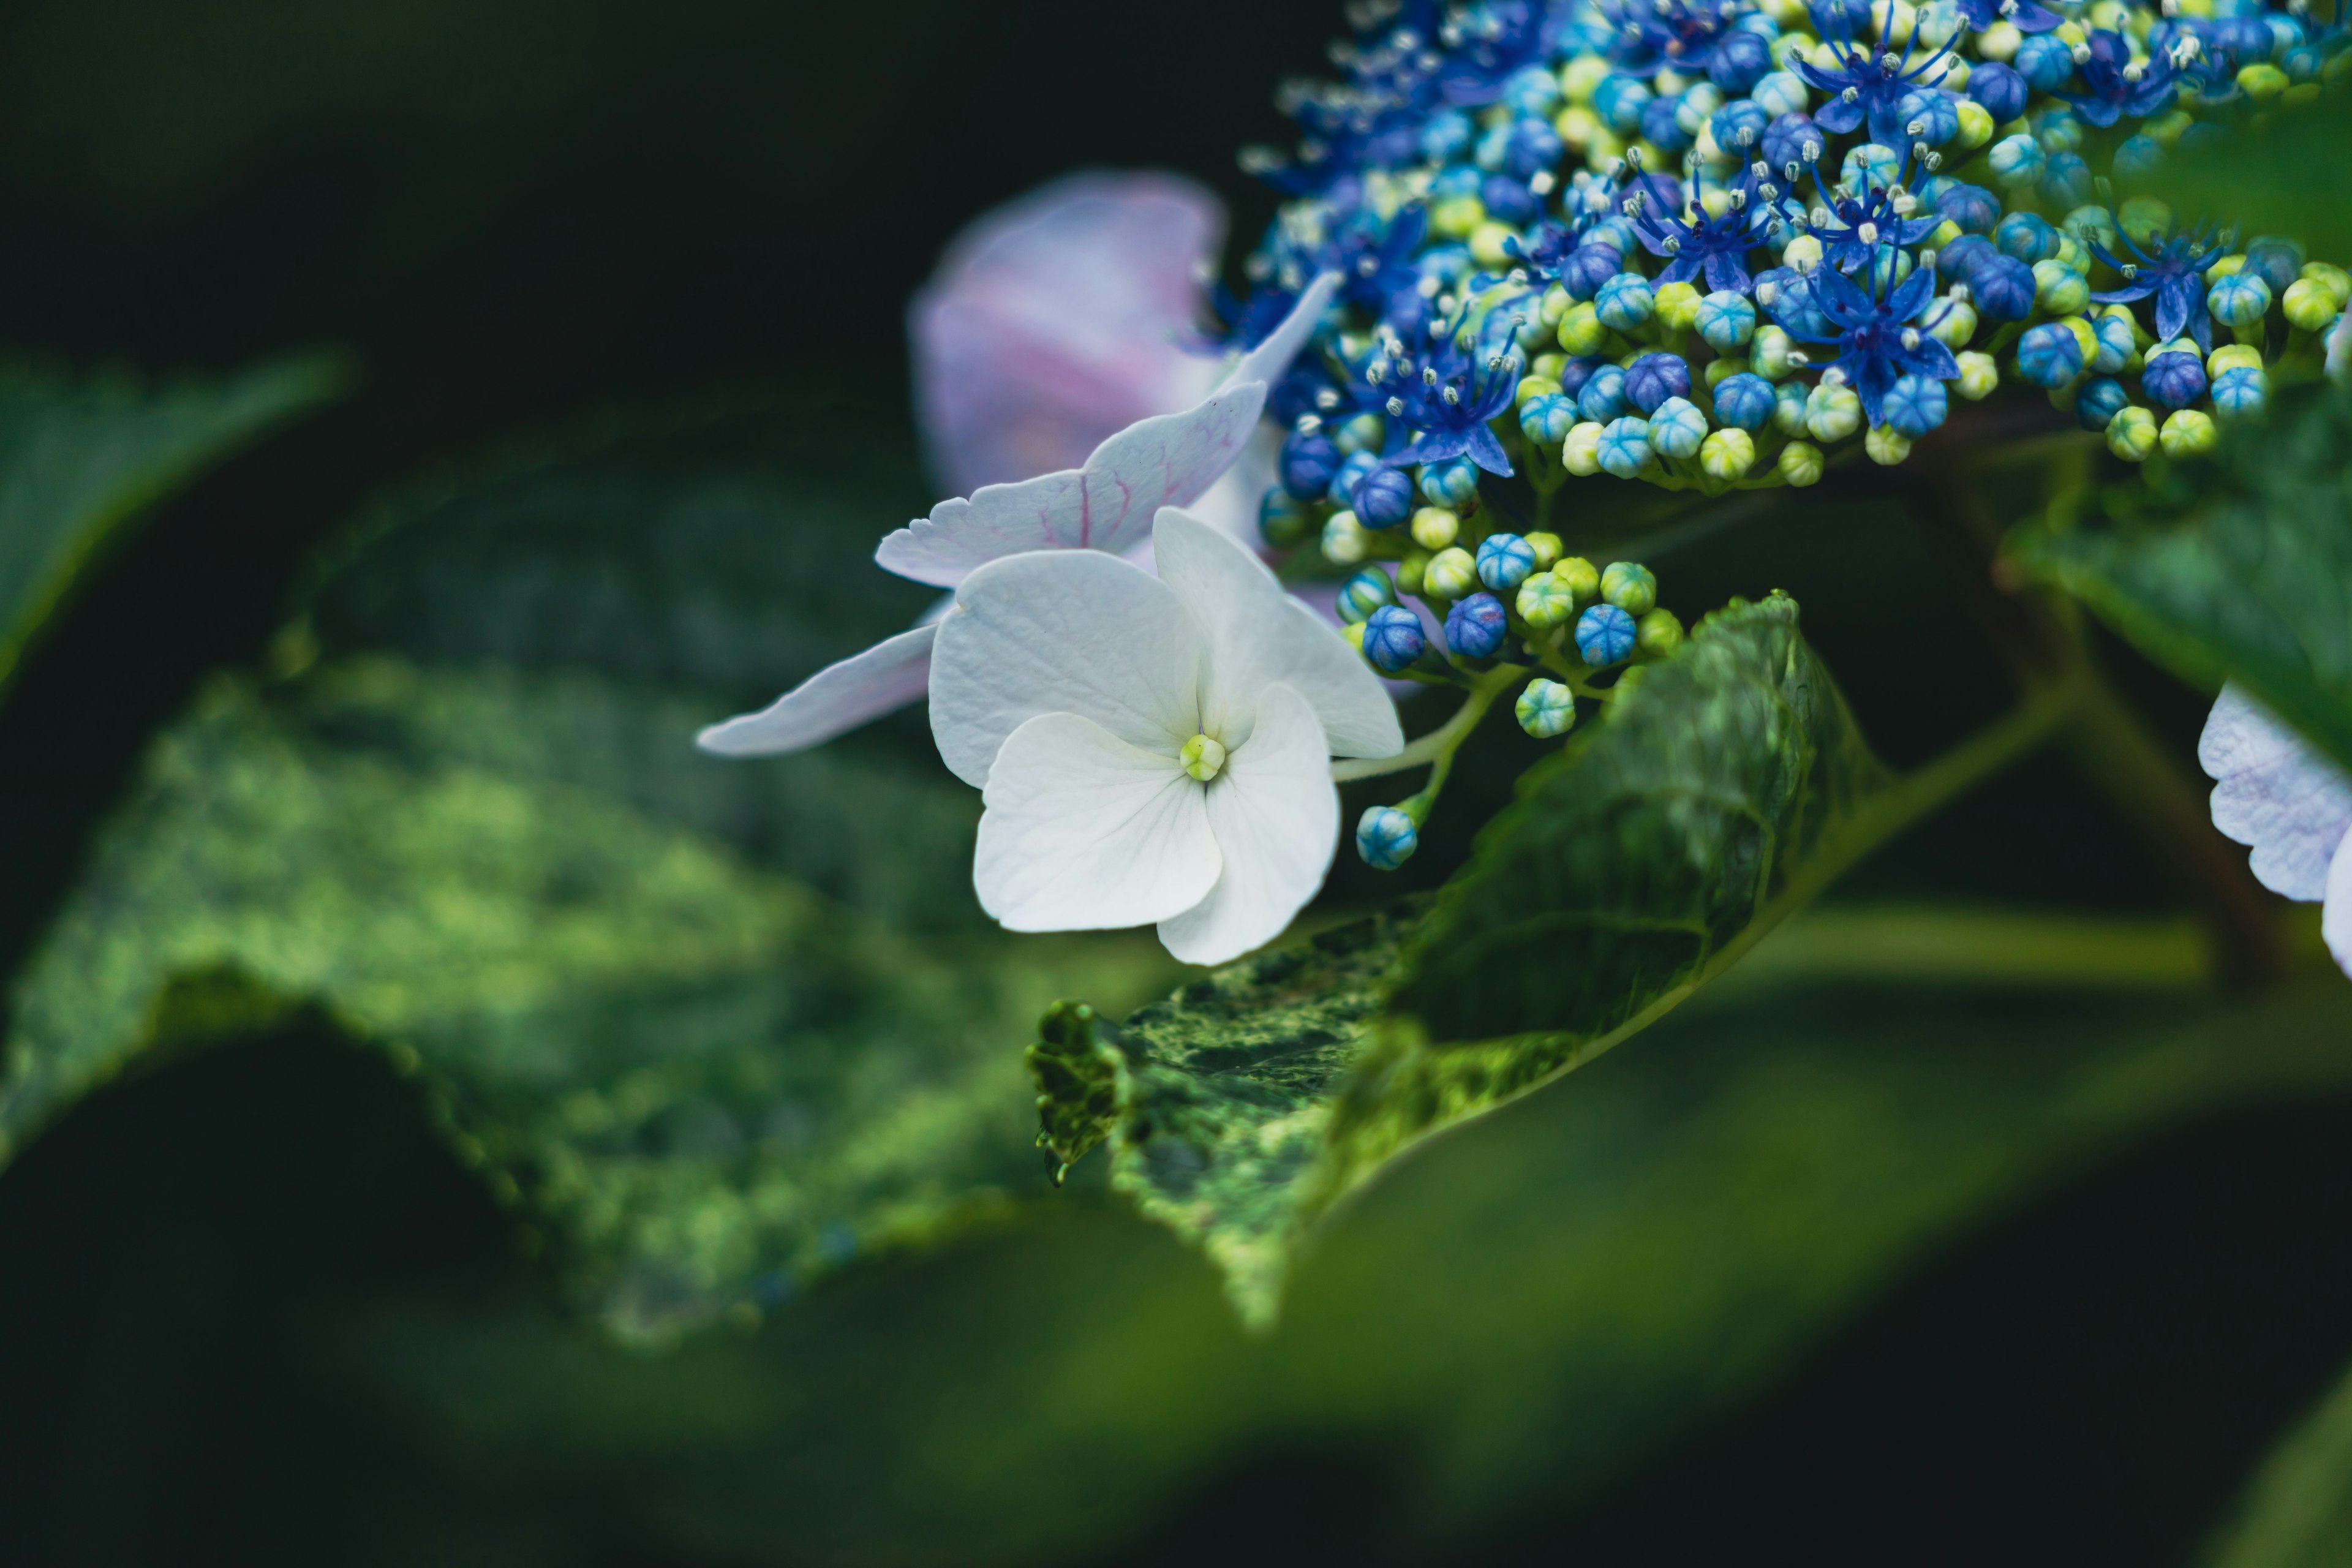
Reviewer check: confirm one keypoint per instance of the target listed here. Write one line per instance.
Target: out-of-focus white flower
(2276, 792)
(1001, 379)
(1150, 749)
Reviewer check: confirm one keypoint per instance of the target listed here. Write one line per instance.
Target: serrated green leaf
(2298, 1511)
(1719, 794)
(2240, 567)
(80, 459)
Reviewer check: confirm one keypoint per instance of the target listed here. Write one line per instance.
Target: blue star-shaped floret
(1438, 400)
(2120, 85)
(1876, 335)
(2172, 267)
(2025, 16)
(1852, 227)
(1695, 244)
(1869, 88)
(1653, 34)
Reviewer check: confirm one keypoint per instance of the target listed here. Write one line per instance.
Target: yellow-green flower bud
(1579, 76)
(1768, 353)
(1344, 544)
(1727, 455)
(1580, 331)
(2131, 434)
(1658, 634)
(2165, 129)
(1451, 574)
(1354, 633)
(1456, 217)
(2061, 290)
(1676, 306)
(1800, 464)
(1631, 586)
(1547, 548)
(1978, 377)
(1203, 757)
(1832, 411)
(1582, 451)
(1409, 571)
(1803, 253)
(2229, 356)
(2142, 217)
(2072, 253)
(1488, 242)
(1550, 308)
(1545, 602)
(2334, 279)
(2187, 433)
(1716, 369)
(1886, 444)
(1534, 386)
(1580, 577)
(1435, 528)
(1998, 42)
(2260, 81)
(2309, 305)
(1546, 709)
(1952, 324)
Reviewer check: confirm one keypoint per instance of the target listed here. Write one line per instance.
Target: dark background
(510, 212)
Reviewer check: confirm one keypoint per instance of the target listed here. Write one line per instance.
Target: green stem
(1436, 749)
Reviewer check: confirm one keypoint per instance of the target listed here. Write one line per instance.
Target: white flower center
(1203, 757)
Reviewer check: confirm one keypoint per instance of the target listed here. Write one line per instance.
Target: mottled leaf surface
(2236, 567)
(78, 459)
(712, 1028)
(1718, 793)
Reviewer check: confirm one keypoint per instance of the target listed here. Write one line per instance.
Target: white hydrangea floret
(2277, 793)
(1151, 749)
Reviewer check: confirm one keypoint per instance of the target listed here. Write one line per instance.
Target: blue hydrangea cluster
(1716, 244)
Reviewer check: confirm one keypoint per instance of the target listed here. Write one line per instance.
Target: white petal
(1259, 634)
(1276, 814)
(838, 698)
(1058, 319)
(1272, 357)
(1167, 460)
(2276, 792)
(1231, 505)
(1084, 832)
(1062, 631)
(2335, 919)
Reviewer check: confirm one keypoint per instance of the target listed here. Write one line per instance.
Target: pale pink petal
(1108, 505)
(1084, 832)
(1059, 318)
(1067, 631)
(1276, 814)
(2275, 792)
(1258, 636)
(836, 699)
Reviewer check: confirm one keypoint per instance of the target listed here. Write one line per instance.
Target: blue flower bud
(1624, 448)
(1385, 837)
(2174, 380)
(1934, 112)
(1545, 709)
(2100, 400)
(1726, 321)
(1450, 483)
(2240, 299)
(1779, 94)
(2044, 60)
(1546, 419)
(2001, 90)
(1604, 636)
(1341, 491)
(1624, 302)
(2138, 155)
(2027, 237)
(1507, 199)
(1960, 261)
(1575, 373)
(1382, 499)
(1654, 378)
(1676, 429)
(1475, 626)
(2016, 159)
(2278, 261)
(1973, 207)
(1793, 138)
(1362, 593)
(2050, 354)
(1744, 401)
(1618, 101)
(1737, 118)
(1281, 522)
(2116, 342)
(1394, 638)
(1603, 397)
(1308, 460)
(1789, 400)
(1504, 560)
(2002, 286)
(1533, 145)
(1588, 266)
(1916, 404)
(1740, 61)
(1662, 125)
(2240, 391)
(2066, 180)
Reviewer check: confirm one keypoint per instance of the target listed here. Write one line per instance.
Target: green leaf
(79, 460)
(2298, 1511)
(1719, 793)
(670, 1005)
(2282, 174)
(2239, 567)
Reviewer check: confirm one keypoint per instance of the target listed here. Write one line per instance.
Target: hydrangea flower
(1876, 335)
(2274, 792)
(1870, 88)
(1150, 749)
(2171, 267)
